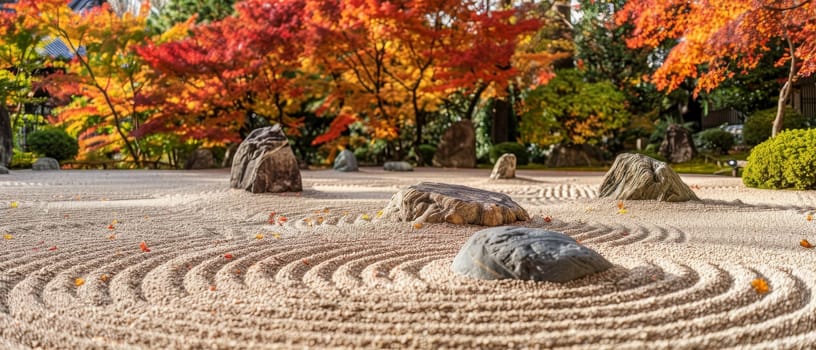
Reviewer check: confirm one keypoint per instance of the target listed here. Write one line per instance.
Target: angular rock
(505, 167)
(526, 254)
(678, 146)
(457, 148)
(635, 176)
(264, 162)
(45, 163)
(201, 158)
(3, 170)
(398, 166)
(455, 204)
(346, 161)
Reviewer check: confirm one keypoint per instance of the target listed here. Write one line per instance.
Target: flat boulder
(201, 158)
(457, 147)
(455, 204)
(3, 170)
(264, 162)
(346, 161)
(398, 166)
(523, 253)
(45, 164)
(636, 176)
(505, 167)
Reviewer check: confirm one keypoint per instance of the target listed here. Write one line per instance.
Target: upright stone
(505, 167)
(264, 162)
(457, 148)
(229, 155)
(201, 158)
(526, 254)
(45, 164)
(677, 147)
(635, 176)
(346, 161)
(454, 204)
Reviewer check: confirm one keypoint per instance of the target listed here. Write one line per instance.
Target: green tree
(176, 11)
(571, 111)
(20, 37)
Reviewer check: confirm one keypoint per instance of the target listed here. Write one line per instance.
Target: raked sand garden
(218, 271)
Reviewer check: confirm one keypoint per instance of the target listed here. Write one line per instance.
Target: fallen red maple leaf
(143, 247)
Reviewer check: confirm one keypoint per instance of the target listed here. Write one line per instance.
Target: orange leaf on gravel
(104, 277)
(806, 244)
(13, 205)
(8, 237)
(305, 262)
(418, 225)
(111, 227)
(620, 205)
(212, 288)
(143, 247)
(53, 248)
(760, 286)
(79, 281)
(228, 256)
(259, 236)
(809, 217)
(547, 219)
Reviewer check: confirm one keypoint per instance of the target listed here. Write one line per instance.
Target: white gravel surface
(73, 276)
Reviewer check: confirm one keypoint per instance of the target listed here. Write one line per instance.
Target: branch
(788, 8)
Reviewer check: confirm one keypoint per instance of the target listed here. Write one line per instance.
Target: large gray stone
(455, 204)
(636, 176)
(45, 163)
(346, 161)
(678, 146)
(201, 158)
(398, 166)
(264, 162)
(457, 147)
(3, 170)
(527, 254)
(505, 167)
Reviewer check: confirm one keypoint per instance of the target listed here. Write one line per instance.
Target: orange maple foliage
(760, 286)
(804, 243)
(143, 247)
(716, 39)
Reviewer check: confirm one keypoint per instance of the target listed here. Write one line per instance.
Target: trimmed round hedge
(53, 143)
(715, 140)
(758, 126)
(522, 158)
(785, 161)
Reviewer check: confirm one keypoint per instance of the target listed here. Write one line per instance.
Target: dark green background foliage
(509, 147)
(716, 140)
(758, 126)
(785, 161)
(54, 143)
(427, 152)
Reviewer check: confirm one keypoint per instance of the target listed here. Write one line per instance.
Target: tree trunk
(6, 146)
(784, 93)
